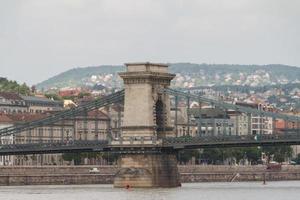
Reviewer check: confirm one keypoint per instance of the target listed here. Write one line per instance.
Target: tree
(186, 155)
(53, 96)
(280, 153)
(79, 157)
(110, 157)
(13, 86)
(76, 157)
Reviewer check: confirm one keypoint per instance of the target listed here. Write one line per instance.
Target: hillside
(188, 75)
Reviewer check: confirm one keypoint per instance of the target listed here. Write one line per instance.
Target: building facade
(12, 103)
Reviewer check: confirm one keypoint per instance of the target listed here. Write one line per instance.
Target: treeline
(214, 156)
(220, 155)
(12, 86)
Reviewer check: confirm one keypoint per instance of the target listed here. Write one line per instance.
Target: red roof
(26, 117)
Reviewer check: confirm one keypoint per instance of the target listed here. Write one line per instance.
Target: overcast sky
(41, 38)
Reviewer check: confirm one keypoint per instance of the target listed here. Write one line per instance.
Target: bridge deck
(178, 143)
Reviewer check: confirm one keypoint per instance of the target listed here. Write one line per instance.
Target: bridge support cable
(85, 124)
(206, 127)
(96, 126)
(236, 124)
(286, 124)
(176, 116)
(261, 124)
(51, 133)
(40, 134)
(249, 119)
(29, 136)
(119, 121)
(213, 126)
(224, 123)
(273, 125)
(62, 124)
(199, 124)
(109, 128)
(74, 128)
(235, 107)
(212, 123)
(113, 98)
(188, 115)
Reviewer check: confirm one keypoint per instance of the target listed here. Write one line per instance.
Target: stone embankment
(48, 175)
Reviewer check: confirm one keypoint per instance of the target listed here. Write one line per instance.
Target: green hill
(188, 74)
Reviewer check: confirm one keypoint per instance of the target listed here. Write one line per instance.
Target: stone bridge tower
(146, 121)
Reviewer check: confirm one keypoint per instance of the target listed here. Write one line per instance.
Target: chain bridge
(148, 137)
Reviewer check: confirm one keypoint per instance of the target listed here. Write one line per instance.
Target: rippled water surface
(207, 191)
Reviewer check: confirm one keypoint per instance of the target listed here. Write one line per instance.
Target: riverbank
(58, 175)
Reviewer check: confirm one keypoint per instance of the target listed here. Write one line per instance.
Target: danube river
(206, 191)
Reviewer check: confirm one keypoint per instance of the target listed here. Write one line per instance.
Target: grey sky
(40, 38)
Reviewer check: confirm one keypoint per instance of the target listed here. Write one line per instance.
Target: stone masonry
(147, 119)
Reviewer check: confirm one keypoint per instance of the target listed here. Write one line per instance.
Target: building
(213, 122)
(260, 124)
(41, 104)
(6, 122)
(12, 103)
(15, 103)
(242, 122)
(93, 126)
(116, 114)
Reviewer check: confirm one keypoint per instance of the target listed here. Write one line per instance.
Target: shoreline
(78, 175)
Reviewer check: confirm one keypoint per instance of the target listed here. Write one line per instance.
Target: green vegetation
(13, 86)
(79, 76)
(53, 96)
(78, 158)
(76, 77)
(252, 154)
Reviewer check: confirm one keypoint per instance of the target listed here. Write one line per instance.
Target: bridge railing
(218, 141)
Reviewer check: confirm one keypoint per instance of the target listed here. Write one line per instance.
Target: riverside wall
(57, 175)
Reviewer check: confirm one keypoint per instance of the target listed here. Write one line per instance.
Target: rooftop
(39, 99)
(10, 95)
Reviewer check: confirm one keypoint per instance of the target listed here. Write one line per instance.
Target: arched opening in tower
(159, 113)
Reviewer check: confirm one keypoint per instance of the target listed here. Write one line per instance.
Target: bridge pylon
(146, 121)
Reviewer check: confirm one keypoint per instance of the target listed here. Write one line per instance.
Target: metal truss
(286, 136)
(110, 99)
(168, 144)
(234, 107)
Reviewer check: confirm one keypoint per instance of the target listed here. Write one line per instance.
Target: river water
(206, 191)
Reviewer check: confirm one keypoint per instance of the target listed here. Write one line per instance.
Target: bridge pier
(146, 120)
(147, 171)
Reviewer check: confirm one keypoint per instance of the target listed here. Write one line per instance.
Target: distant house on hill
(69, 92)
